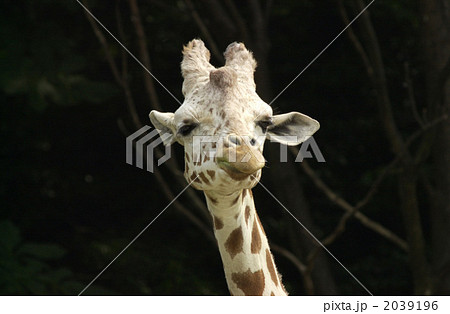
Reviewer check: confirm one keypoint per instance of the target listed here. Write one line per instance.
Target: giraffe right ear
(164, 123)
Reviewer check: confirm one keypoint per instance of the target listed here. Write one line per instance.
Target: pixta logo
(141, 144)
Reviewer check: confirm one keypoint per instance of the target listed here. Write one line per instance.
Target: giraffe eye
(265, 124)
(186, 129)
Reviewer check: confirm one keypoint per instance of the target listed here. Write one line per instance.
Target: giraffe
(221, 107)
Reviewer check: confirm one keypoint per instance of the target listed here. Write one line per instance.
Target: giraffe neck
(248, 263)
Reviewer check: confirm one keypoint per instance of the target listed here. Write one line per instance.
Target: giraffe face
(223, 123)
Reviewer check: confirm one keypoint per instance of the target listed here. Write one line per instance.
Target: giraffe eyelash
(186, 129)
(264, 124)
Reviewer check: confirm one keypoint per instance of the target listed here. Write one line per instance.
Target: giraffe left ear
(163, 122)
(292, 128)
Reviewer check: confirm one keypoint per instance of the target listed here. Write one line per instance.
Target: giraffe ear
(163, 122)
(292, 128)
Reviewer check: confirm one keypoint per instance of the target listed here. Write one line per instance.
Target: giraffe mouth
(237, 171)
(227, 166)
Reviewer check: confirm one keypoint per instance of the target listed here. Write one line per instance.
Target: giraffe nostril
(253, 142)
(234, 139)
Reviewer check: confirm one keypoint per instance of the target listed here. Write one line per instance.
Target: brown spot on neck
(247, 214)
(271, 267)
(203, 177)
(211, 173)
(218, 223)
(194, 177)
(186, 156)
(256, 238)
(251, 283)
(235, 241)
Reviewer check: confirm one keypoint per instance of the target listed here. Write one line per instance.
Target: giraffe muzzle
(240, 157)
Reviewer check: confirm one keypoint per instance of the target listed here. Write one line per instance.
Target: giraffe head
(223, 123)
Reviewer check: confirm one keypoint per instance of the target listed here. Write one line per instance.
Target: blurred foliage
(29, 268)
(41, 63)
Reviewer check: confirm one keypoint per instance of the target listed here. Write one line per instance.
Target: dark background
(70, 96)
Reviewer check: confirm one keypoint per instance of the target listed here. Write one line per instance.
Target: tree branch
(221, 17)
(104, 45)
(407, 177)
(443, 76)
(209, 38)
(411, 98)
(304, 271)
(353, 210)
(240, 22)
(121, 80)
(354, 39)
(380, 84)
(259, 23)
(340, 228)
(333, 197)
(207, 231)
(143, 52)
